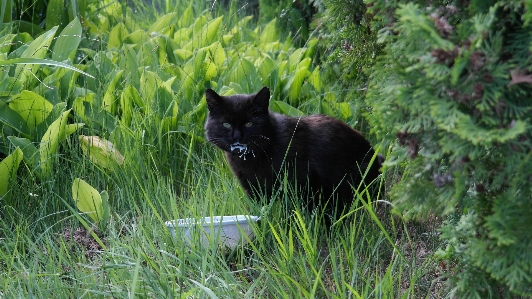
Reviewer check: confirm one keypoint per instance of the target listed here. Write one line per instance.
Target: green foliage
(453, 86)
(158, 73)
(8, 171)
(294, 17)
(91, 202)
(347, 48)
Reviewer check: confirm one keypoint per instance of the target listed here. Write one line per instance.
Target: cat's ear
(262, 98)
(213, 99)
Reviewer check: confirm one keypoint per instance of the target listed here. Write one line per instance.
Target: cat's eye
(227, 125)
(248, 124)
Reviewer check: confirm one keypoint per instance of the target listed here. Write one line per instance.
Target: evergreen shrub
(452, 93)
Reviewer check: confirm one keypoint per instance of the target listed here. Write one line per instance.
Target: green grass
(293, 255)
(49, 250)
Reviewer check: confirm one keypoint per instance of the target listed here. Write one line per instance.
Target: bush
(452, 93)
(294, 17)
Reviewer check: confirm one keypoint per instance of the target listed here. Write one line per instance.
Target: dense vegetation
(450, 92)
(102, 109)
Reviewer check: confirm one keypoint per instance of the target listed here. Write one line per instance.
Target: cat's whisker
(263, 137)
(258, 145)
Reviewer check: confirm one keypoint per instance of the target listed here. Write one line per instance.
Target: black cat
(322, 155)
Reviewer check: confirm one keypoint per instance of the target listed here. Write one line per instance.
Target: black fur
(320, 153)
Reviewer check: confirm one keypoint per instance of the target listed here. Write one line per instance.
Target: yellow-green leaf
(32, 107)
(163, 23)
(101, 152)
(315, 80)
(37, 49)
(269, 33)
(8, 172)
(110, 103)
(50, 143)
(88, 199)
(205, 36)
(117, 35)
(67, 42)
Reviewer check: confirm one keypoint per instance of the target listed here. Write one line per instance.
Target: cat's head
(239, 123)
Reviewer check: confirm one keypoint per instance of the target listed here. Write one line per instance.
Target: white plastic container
(226, 230)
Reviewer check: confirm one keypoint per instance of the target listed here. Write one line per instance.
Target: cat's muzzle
(238, 148)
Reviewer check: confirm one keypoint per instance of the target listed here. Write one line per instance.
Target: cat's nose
(237, 135)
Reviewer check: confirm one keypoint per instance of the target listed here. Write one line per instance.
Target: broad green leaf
(113, 9)
(168, 123)
(165, 103)
(234, 87)
(99, 117)
(226, 38)
(211, 72)
(8, 172)
(187, 18)
(311, 48)
(183, 54)
(168, 33)
(295, 58)
(68, 41)
(38, 61)
(269, 33)
(199, 23)
(315, 79)
(101, 152)
(110, 103)
(182, 36)
(30, 151)
(135, 95)
(285, 108)
(345, 110)
(244, 72)
(155, 92)
(163, 22)
(13, 119)
(116, 36)
(129, 96)
(199, 62)
(79, 107)
(148, 56)
(148, 84)
(327, 108)
(266, 66)
(252, 53)
(163, 56)
(137, 39)
(32, 107)
(54, 12)
(282, 70)
(8, 85)
(37, 49)
(5, 42)
(297, 79)
(88, 200)
(5, 11)
(50, 143)
(241, 24)
(205, 36)
(70, 129)
(216, 54)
